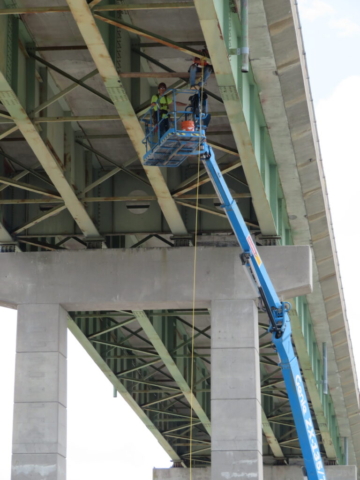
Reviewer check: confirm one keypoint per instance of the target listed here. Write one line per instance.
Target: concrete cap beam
(146, 278)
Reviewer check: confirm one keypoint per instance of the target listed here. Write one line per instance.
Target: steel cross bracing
(55, 211)
(147, 356)
(104, 180)
(46, 158)
(179, 201)
(106, 67)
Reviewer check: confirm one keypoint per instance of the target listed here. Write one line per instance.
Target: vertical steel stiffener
(280, 325)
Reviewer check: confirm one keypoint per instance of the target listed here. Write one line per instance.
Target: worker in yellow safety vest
(161, 104)
(200, 65)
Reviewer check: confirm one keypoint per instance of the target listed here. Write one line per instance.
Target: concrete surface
(236, 441)
(39, 433)
(289, 112)
(338, 472)
(144, 278)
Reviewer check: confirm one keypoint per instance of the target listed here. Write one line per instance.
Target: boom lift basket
(184, 137)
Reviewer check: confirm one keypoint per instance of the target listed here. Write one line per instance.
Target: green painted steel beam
(9, 131)
(178, 84)
(52, 212)
(221, 32)
(27, 169)
(18, 176)
(144, 198)
(40, 218)
(43, 245)
(193, 181)
(161, 400)
(188, 438)
(108, 159)
(152, 384)
(28, 187)
(270, 437)
(89, 118)
(99, 181)
(165, 355)
(189, 340)
(93, 39)
(31, 81)
(182, 427)
(46, 158)
(181, 320)
(93, 3)
(13, 53)
(173, 356)
(70, 77)
(124, 135)
(104, 8)
(211, 210)
(122, 347)
(151, 36)
(138, 367)
(111, 329)
(149, 314)
(101, 363)
(306, 357)
(62, 93)
(69, 118)
(171, 414)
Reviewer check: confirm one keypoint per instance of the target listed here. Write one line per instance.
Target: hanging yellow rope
(194, 282)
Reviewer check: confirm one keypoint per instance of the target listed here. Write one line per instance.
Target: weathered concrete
(181, 473)
(270, 473)
(38, 283)
(144, 278)
(335, 472)
(236, 441)
(39, 435)
(289, 112)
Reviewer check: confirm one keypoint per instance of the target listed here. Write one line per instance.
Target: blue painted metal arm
(170, 150)
(280, 322)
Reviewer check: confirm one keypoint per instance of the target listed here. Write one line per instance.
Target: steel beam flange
(213, 26)
(183, 240)
(9, 247)
(93, 243)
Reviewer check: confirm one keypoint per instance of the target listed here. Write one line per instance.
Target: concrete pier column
(236, 444)
(39, 435)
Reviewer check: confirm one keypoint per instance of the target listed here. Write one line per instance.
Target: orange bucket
(188, 125)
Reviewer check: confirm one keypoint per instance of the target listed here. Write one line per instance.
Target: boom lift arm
(280, 325)
(171, 149)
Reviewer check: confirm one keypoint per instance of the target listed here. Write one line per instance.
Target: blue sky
(331, 31)
(106, 440)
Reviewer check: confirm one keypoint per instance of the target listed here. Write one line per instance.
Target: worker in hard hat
(200, 65)
(161, 104)
(199, 109)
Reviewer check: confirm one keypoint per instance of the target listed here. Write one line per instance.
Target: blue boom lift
(169, 149)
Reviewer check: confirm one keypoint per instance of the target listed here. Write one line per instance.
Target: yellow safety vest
(164, 104)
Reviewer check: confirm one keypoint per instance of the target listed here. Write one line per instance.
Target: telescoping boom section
(162, 147)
